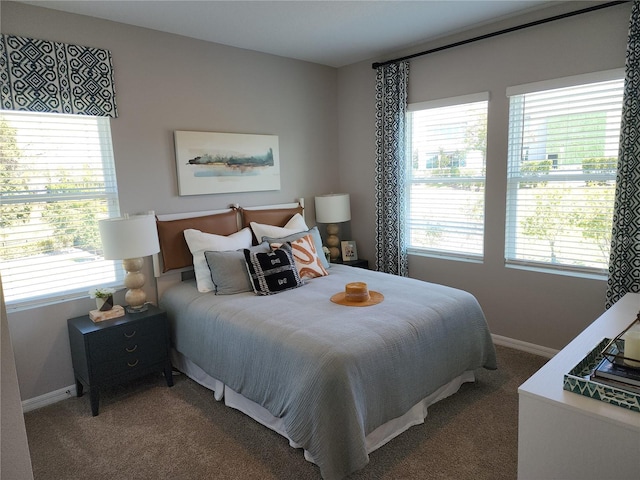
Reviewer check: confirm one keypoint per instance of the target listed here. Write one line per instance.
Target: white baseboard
(524, 346)
(48, 398)
(64, 393)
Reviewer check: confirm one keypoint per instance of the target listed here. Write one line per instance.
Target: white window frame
(513, 179)
(452, 254)
(97, 272)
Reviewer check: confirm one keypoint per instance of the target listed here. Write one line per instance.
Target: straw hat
(356, 294)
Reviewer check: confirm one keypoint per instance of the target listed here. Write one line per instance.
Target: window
(446, 176)
(563, 153)
(57, 179)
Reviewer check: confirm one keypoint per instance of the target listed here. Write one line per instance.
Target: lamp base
(332, 235)
(136, 309)
(333, 241)
(135, 297)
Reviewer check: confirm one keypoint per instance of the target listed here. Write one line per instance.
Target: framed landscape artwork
(209, 162)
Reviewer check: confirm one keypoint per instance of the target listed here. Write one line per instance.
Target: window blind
(562, 160)
(57, 179)
(446, 184)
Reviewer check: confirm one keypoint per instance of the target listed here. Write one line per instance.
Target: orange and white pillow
(306, 257)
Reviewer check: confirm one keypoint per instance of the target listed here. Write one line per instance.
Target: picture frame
(349, 251)
(213, 162)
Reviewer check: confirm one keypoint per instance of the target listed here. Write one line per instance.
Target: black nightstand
(357, 263)
(118, 350)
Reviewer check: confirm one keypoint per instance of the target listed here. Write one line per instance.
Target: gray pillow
(229, 270)
(317, 241)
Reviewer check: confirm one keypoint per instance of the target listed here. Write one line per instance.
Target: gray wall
(538, 308)
(165, 83)
(325, 121)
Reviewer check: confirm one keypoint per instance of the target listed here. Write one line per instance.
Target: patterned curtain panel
(42, 76)
(624, 262)
(391, 104)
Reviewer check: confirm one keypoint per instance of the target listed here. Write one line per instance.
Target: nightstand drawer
(126, 332)
(128, 362)
(126, 340)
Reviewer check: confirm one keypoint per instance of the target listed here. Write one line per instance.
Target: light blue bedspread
(333, 373)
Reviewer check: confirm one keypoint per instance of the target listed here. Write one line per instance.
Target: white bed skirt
(374, 440)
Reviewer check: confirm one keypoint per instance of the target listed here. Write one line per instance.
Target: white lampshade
(129, 237)
(333, 208)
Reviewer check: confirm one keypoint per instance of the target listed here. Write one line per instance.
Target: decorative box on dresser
(565, 435)
(118, 350)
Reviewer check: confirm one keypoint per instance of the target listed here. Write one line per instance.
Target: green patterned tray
(578, 380)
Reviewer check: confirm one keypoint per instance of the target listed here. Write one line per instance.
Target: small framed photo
(349, 251)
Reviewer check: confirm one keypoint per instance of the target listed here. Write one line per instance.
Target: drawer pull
(133, 364)
(130, 335)
(132, 349)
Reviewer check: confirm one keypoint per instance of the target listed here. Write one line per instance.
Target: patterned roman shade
(43, 76)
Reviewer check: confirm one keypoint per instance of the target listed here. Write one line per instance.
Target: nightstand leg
(79, 388)
(168, 374)
(95, 400)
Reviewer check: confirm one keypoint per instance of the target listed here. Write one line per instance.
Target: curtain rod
(500, 32)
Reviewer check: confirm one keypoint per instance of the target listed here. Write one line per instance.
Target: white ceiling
(330, 32)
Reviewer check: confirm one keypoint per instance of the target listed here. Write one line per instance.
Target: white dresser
(564, 435)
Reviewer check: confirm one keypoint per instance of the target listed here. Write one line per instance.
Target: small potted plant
(104, 297)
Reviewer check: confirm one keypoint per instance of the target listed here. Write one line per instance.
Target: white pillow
(199, 242)
(294, 225)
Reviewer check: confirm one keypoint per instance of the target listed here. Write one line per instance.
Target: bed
(337, 381)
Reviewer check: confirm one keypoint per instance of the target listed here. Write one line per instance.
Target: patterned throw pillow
(272, 272)
(317, 241)
(306, 257)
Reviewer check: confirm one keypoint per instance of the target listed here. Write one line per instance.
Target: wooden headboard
(174, 250)
(175, 259)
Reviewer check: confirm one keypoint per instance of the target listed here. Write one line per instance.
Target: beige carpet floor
(146, 430)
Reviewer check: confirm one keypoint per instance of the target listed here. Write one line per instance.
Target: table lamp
(333, 209)
(130, 238)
